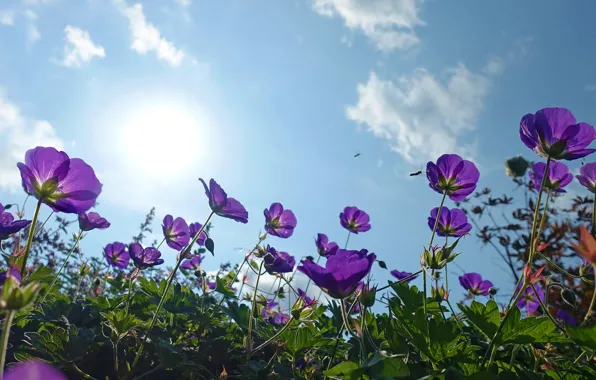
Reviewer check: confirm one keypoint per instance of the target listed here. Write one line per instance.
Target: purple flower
(279, 222)
(116, 255)
(194, 229)
(342, 272)
(144, 258)
(65, 184)
(33, 370)
(453, 176)
(354, 220)
(587, 176)
(278, 262)
(176, 232)
(473, 283)
(324, 247)
(558, 176)
(13, 273)
(401, 275)
(307, 300)
(91, 221)
(276, 318)
(452, 222)
(223, 205)
(9, 226)
(563, 315)
(554, 132)
(529, 300)
(192, 264)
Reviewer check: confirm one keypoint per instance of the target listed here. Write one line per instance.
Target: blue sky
(273, 99)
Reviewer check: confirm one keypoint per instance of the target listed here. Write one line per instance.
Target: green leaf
(483, 318)
(210, 245)
(222, 288)
(42, 274)
(345, 370)
(121, 323)
(529, 330)
(583, 336)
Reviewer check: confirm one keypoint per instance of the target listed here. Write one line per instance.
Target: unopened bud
(15, 298)
(368, 295)
(296, 314)
(569, 298)
(492, 291)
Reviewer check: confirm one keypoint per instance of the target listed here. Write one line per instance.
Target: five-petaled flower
(354, 220)
(192, 264)
(117, 255)
(586, 246)
(63, 183)
(278, 262)
(176, 232)
(557, 178)
(403, 275)
(13, 273)
(452, 222)
(587, 176)
(144, 258)
(453, 176)
(324, 246)
(33, 370)
(279, 222)
(223, 205)
(474, 283)
(91, 221)
(194, 229)
(554, 133)
(342, 272)
(9, 226)
(528, 300)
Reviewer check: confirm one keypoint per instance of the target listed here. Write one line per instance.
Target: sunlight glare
(161, 141)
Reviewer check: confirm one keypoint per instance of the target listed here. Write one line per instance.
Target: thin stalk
(449, 303)
(545, 308)
(115, 346)
(277, 334)
(43, 224)
(536, 211)
(74, 246)
(159, 245)
(130, 281)
(344, 316)
(81, 373)
(594, 217)
(252, 312)
(5, 337)
(348, 239)
(589, 313)
(160, 366)
(30, 238)
(405, 279)
(430, 244)
(163, 296)
(563, 271)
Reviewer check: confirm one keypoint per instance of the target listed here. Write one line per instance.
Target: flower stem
(252, 312)
(430, 244)
(594, 217)
(30, 238)
(163, 296)
(348, 239)
(545, 308)
(277, 334)
(589, 313)
(536, 211)
(448, 302)
(491, 346)
(74, 246)
(5, 336)
(159, 245)
(130, 281)
(344, 316)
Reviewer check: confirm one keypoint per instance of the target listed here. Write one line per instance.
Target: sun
(161, 141)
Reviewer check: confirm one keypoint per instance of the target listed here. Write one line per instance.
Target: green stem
(163, 296)
(115, 346)
(348, 239)
(430, 245)
(589, 313)
(79, 236)
(405, 279)
(5, 337)
(536, 211)
(130, 281)
(490, 361)
(545, 308)
(449, 303)
(277, 334)
(252, 312)
(492, 346)
(563, 271)
(30, 238)
(164, 239)
(43, 224)
(344, 316)
(81, 373)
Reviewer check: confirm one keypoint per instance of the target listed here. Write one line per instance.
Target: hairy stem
(589, 313)
(252, 312)
(5, 336)
(30, 238)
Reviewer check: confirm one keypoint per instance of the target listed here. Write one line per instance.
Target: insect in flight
(357, 155)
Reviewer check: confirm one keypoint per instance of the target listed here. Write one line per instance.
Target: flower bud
(492, 291)
(368, 295)
(15, 298)
(296, 314)
(516, 167)
(569, 298)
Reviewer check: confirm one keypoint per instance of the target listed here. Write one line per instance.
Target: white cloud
(495, 65)
(389, 24)
(146, 37)
(79, 48)
(184, 3)
(6, 18)
(30, 15)
(37, 2)
(17, 135)
(33, 34)
(420, 116)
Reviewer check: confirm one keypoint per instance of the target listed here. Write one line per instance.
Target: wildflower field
(68, 315)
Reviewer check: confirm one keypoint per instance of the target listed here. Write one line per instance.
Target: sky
(274, 98)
